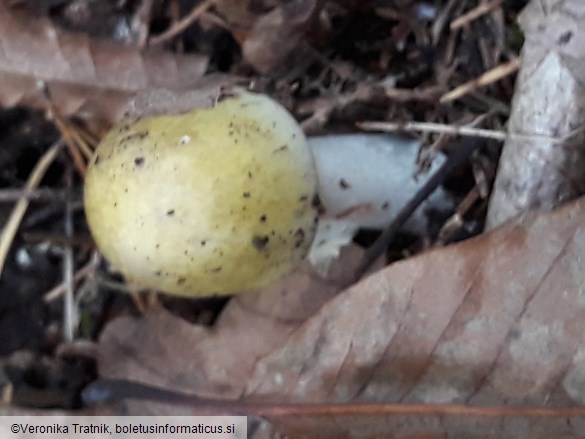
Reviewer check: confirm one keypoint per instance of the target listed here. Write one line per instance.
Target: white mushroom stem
(364, 180)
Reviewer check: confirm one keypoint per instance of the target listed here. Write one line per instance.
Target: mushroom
(214, 201)
(220, 200)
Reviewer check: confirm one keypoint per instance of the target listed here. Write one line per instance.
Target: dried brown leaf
(87, 78)
(157, 101)
(549, 101)
(163, 350)
(277, 41)
(496, 320)
(493, 321)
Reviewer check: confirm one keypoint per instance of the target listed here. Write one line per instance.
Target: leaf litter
(493, 321)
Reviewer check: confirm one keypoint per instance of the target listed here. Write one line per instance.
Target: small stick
(76, 146)
(216, 20)
(141, 22)
(182, 24)
(458, 130)
(56, 239)
(67, 133)
(10, 195)
(462, 153)
(17, 213)
(429, 127)
(454, 222)
(69, 309)
(7, 394)
(82, 142)
(487, 78)
(474, 14)
(106, 391)
(80, 274)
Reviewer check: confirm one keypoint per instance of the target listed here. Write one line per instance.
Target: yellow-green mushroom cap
(215, 201)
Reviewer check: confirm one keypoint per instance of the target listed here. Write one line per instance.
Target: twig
(79, 349)
(458, 130)
(103, 391)
(7, 394)
(487, 78)
(87, 139)
(182, 24)
(69, 310)
(70, 141)
(140, 22)
(48, 211)
(34, 179)
(82, 141)
(437, 128)
(57, 239)
(463, 152)
(10, 195)
(134, 292)
(405, 95)
(68, 133)
(80, 274)
(454, 222)
(211, 18)
(474, 14)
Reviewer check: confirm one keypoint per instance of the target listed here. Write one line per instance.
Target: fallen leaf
(493, 321)
(539, 173)
(88, 78)
(163, 350)
(277, 41)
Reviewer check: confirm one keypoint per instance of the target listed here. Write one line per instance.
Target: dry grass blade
(429, 127)
(183, 24)
(458, 130)
(17, 214)
(85, 271)
(487, 78)
(70, 140)
(10, 195)
(70, 311)
(456, 220)
(474, 14)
